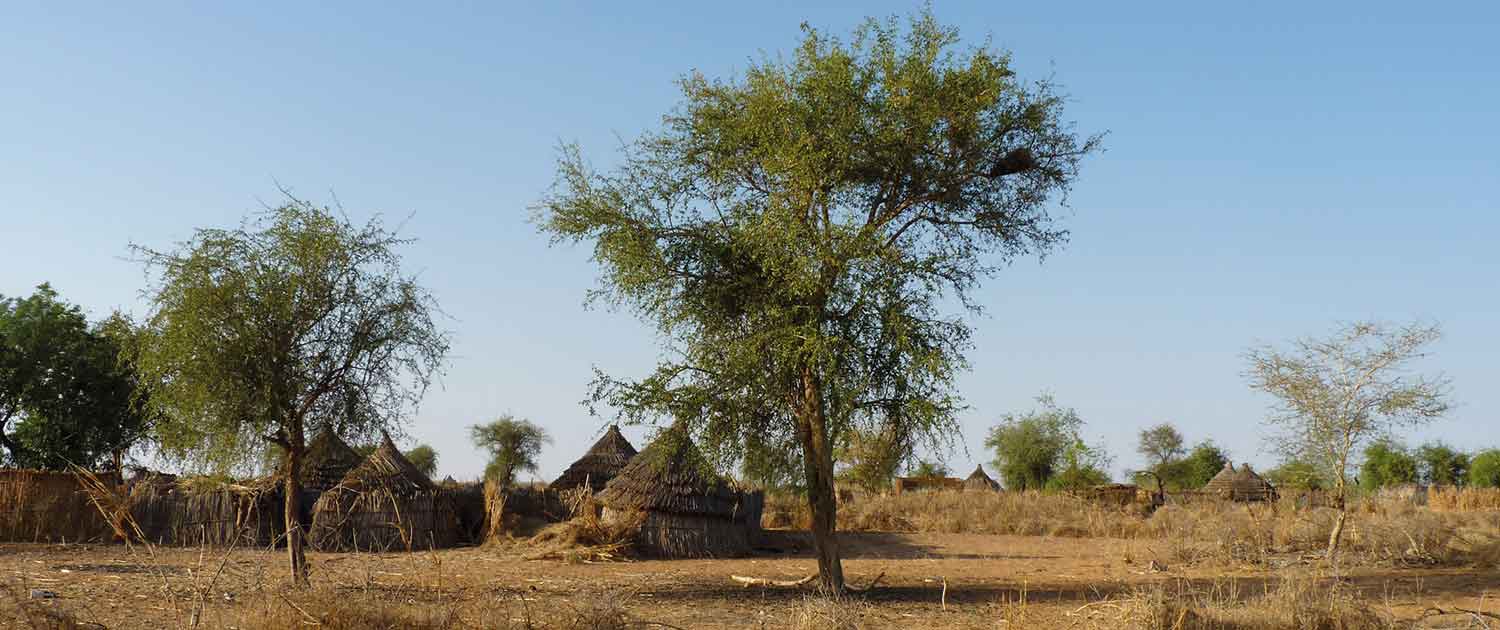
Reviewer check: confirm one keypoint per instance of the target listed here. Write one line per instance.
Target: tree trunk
(817, 457)
(293, 489)
(1335, 536)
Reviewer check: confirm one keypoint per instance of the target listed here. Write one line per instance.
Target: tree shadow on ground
(866, 545)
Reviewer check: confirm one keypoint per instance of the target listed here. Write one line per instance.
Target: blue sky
(1270, 170)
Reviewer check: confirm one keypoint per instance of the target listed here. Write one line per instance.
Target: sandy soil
(992, 581)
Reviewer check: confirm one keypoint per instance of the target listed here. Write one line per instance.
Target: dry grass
(824, 612)
(1298, 603)
(1450, 499)
(18, 610)
(585, 537)
(1387, 531)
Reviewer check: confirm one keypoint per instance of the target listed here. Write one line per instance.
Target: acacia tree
(1336, 395)
(513, 445)
(794, 233)
(1160, 445)
(295, 320)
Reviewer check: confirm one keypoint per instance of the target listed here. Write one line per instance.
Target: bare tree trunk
(1335, 536)
(293, 489)
(817, 450)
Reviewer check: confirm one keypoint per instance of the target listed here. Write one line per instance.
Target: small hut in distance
(325, 462)
(384, 503)
(979, 481)
(687, 510)
(1240, 485)
(605, 459)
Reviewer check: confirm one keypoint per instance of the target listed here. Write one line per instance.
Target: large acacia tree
(295, 320)
(796, 231)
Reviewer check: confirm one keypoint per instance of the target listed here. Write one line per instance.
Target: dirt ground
(991, 582)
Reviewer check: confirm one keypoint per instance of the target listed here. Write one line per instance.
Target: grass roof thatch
(1239, 484)
(979, 481)
(388, 469)
(673, 477)
(600, 464)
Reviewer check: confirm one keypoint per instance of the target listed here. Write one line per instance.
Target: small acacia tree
(795, 232)
(1160, 445)
(1337, 394)
(1032, 447)
(513, 446)
(295, 320)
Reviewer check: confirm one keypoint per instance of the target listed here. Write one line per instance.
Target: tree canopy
(1044, 448)
(513, 444)
(296, 320)
(1160, 445)
(1337, 394)
(1387, 463)
(1441, 465)
(795, 233)
(67, 390)
(1484, 469)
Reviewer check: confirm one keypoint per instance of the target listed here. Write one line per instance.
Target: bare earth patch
(991, 581)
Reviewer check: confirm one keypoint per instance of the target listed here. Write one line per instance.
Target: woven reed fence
(1452, 499)
(381, 520)
(44, 506)
(218, 517)
(666, 535)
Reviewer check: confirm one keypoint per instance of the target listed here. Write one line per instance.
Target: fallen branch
(868, 586)
(755, 581)
(1434, 611)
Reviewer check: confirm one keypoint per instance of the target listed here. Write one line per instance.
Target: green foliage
(871, 458)
(424, 458)
(1297, 474)
(1484, 469)
(67, 391)
(928, 468)
(513, 446)
(794, 233)
(1199, 467)
(1441, 465)
(1160, 445)
(1034, 448)
(772, 467)
(1387, 463)
(295, 320)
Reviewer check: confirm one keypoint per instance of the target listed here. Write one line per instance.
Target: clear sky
(1271, 169)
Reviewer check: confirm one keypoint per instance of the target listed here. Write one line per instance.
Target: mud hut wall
(665, 535)
(47, 506)
(378, 520)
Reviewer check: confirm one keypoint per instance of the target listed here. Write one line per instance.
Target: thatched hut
(600, 464)
(384, 503)
(1240, 485)
(980, 481)
(326, 462)
(686, 510)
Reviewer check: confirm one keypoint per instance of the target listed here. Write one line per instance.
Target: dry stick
(1433, 611)
(755, 581)
(311, 619)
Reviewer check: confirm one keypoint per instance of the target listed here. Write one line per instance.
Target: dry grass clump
(1451, 499)
(1295, 604)
(830, 612)
(18, 610)
(586, 537)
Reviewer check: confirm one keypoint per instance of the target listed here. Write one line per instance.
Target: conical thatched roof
(327, 460)
(600, 464)
(1242, 484)
(671, 476)
(386, 468)
(980, 481)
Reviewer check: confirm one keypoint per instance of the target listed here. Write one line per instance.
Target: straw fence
(667, 535)
(1450, 499)
(910, 484)
(220, 516)
(381, 520)
(42, 506)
